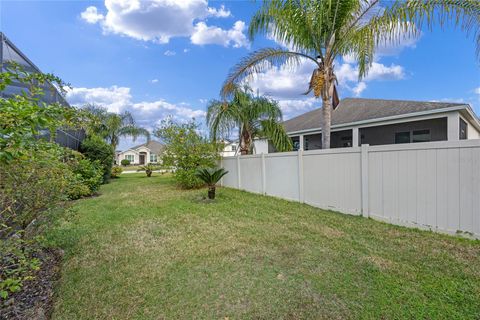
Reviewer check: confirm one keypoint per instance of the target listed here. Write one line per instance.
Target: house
(358, 121)
(150, 152)
(10, 53)
(230, 148)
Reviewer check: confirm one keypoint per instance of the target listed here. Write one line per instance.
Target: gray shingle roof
(154, 146)
(358, 109)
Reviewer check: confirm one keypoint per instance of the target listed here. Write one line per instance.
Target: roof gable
(154, 147)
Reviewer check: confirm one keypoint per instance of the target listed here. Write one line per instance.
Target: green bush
(88, 175)
(125, 162)
(116, 171)
(186, 151)
(96, 149)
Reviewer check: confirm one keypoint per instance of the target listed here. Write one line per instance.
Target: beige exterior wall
(136, 153)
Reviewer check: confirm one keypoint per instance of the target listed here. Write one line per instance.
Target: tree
(112, 126)
(322, 30)
(211, 176)
(254, 116)
(186, 151)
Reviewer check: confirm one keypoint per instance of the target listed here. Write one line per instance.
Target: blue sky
(169, 57)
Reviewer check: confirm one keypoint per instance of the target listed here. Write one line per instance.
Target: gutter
(403, 116)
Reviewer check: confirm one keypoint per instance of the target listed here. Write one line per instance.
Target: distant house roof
(351, 110)
(154, 146)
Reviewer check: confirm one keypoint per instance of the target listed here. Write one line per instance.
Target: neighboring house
(150, 152)
(377, 122)
(232, 148)
(10, 53)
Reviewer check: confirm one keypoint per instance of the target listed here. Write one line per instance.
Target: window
(153, 157)
(234, 148)
(463, 135)
(402, 137)
(421, 136)
(130, 157)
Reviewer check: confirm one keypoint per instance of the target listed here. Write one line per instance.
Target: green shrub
(186, 151)
(116, 171)
(88, 175)
(96, 149)
(125, 162)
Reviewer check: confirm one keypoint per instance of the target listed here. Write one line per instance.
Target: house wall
(122, 156)
(381, 135)
(472, 132)
(434, 185)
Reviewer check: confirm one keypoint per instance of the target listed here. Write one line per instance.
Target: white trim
(379, 121)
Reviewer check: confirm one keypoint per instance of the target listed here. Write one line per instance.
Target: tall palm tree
(254, 116)
(322, 30)
(112, 126)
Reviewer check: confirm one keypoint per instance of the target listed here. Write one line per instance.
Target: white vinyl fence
(434, 185)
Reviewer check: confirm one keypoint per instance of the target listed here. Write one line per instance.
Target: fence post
(239, 180)
(264, 175)
(364, 183)
(301, 197)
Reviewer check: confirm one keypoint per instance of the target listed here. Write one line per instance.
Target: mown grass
(147, 250)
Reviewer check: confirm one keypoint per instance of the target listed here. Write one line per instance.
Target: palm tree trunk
(327, 122)
(211, 192)
(245, 142)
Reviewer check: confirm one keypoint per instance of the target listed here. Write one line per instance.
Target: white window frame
(130, 157)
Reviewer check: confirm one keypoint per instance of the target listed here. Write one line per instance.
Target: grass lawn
(146, 250)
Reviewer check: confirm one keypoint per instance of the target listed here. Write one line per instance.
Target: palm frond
(134, 132)
(258, 62)
(277, 134)
(210, 176)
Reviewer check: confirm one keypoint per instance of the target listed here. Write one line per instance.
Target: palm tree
(211, 176)
(254, 117)
(322, 30)
(112, 126)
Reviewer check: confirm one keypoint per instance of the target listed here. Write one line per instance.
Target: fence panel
(251, 173)
(281, 176)
(332, 180)
(231, 178)
(432, 185)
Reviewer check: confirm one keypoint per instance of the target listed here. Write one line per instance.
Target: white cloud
(220, 13)
(186, 50)
(358, 89)
(118, 99)
(91, 15)
(154, 81)
(477, 90)
(169, 53)
(161, 20)
(114, 98)
(204, 34)
(286, 85)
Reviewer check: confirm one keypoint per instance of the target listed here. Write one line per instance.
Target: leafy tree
(254, 116)
(96, 149)
(321, 30)
(23, 116)
(111, 126)
(211, 176)
(186, 151)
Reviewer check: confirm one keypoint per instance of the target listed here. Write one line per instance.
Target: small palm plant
(148, 168)
(211, 176)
